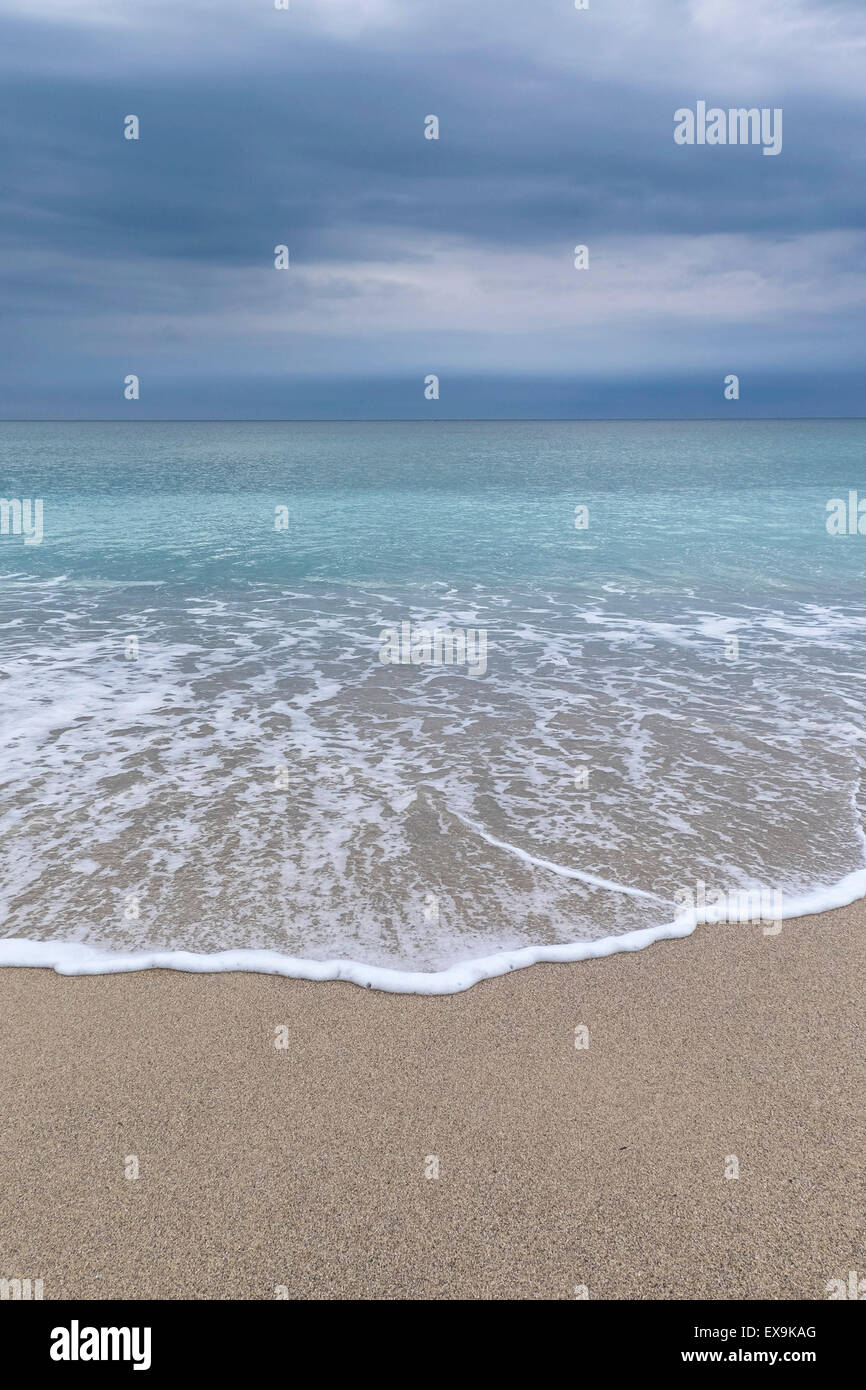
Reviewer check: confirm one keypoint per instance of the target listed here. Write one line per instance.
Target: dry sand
(558, 1167)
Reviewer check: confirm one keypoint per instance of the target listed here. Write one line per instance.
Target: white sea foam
(562, 869)
(155, 781)
(72, 958)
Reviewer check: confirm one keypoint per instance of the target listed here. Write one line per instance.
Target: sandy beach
(304, 1169)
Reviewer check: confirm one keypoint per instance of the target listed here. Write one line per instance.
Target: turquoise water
(256, 777)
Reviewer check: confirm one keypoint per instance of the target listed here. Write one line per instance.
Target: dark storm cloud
(322, 145)
(253, 135)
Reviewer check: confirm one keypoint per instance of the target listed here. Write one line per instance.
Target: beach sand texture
(303, 1168)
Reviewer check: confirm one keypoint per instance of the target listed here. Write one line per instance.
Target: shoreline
(75, 958)
(304, 1167)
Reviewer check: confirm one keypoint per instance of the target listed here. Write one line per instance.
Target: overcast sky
(412, 256)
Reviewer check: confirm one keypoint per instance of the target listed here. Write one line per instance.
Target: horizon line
(409, 420)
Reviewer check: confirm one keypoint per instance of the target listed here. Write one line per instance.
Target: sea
(416, 703)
